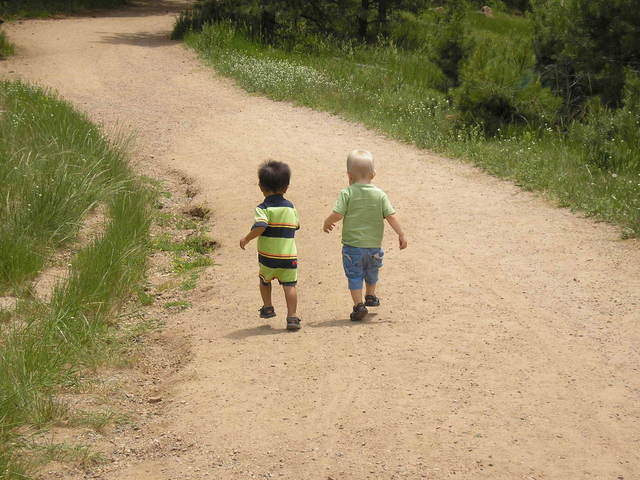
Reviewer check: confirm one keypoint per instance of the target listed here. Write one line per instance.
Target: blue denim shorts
(361, 264)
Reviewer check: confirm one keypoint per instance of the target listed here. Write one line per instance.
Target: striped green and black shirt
(277, 245)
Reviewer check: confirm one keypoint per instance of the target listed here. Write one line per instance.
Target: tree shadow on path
(142, 39)
(133, 8)
(141, 8)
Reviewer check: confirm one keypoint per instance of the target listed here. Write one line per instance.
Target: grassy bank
(55, 167)
(400, 92)
(44, 8)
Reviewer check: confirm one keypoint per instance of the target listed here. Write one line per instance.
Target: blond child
(363, 207)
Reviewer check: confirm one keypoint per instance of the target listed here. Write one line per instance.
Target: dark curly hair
(274, 176)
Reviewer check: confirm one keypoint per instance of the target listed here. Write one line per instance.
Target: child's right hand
(243, 242)
(328, 226)
(331, 221)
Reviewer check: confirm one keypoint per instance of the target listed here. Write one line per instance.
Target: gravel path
(507, 343)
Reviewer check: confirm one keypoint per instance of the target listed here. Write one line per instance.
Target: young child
(276, 222)
(363, 206)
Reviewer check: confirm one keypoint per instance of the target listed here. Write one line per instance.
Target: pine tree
(584, 46)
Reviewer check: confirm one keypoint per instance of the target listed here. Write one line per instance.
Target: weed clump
(199, 211)
(6, 49)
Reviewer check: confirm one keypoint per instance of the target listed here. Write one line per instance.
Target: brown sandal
(371, 301)
(267, 312)
(293, 323)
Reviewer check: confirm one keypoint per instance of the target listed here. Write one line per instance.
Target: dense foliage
(287, 21)
(567, 61)
(583, 48)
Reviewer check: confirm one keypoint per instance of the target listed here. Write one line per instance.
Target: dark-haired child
(275, 225)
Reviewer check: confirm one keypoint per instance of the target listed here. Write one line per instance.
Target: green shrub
(610, 139)
(501, 24)
(203, 13)
(412, 32)
(440, 35)
(499, 87)
(583, 47)
(449, 45)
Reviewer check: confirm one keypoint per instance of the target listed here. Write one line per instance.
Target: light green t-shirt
(364, 207)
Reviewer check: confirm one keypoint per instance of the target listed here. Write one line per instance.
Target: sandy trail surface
(507, 345)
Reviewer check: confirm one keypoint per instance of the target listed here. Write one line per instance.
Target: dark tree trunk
(383, 17)
(267, 22)
(363, 20)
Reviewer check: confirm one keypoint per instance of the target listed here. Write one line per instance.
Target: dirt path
(507, 346)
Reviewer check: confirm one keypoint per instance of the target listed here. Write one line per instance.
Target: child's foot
(293, 323)
(267, 312)
(371, 301)
(359, 312)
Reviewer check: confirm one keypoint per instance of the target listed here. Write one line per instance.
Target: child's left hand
(243, 242)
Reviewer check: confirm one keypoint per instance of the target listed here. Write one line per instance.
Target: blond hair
(360, 164)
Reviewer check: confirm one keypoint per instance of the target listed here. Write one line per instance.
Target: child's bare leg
(371, 289)
(291, 296)
(265, 292)
(356, 295)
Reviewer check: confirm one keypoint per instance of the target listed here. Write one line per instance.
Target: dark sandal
(293, 323)
(359, 312)
(267, 312)
(371, 301)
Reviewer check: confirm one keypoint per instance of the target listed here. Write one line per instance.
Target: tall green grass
(6, 48)
(399, 92)
(55, 166)
(44, 8)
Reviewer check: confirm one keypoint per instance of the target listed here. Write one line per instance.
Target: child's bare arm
(331, 220)
(254, 233)
(395, 224)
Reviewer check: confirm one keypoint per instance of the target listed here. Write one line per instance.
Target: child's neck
(270, 194)
(365, 181)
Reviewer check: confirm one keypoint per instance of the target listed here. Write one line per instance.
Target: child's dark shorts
(361, 264)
